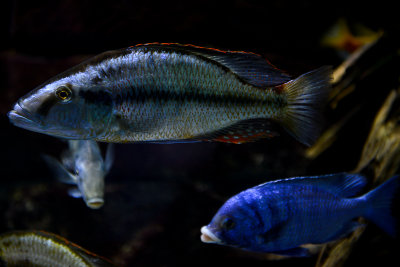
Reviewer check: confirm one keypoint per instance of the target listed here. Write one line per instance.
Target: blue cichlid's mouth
(24, 119)
(208, 237)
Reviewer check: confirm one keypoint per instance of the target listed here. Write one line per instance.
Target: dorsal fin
(340, 184)
(250, 67)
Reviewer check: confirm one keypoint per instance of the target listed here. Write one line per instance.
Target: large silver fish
(174, 93)
(84, 166)
(43, 249)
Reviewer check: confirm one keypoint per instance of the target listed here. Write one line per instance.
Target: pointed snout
(21, 117)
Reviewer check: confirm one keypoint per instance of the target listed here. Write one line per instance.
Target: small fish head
(232, 225)
(91, 183)
(67, 107)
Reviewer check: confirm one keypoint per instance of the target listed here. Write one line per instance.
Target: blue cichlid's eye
(227, 223)
(64, 93)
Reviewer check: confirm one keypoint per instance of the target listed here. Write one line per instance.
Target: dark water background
(158, 196)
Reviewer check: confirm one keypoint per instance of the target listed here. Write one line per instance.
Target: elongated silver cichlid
(83, 165)
(42, 249)
(174, 93)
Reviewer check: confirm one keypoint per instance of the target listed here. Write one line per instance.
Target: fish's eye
(64, 93)
(227, 223)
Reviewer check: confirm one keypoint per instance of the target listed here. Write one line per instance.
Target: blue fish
(279, 216)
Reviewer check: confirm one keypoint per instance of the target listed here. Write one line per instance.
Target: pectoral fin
(75, 193)
(110, 154)
(272, 234)
(59, 170)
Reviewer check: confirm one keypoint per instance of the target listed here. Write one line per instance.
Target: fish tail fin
(305, 97)
(379, 205)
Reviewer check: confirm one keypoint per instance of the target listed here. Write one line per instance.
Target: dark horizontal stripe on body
(96, 96)
(141, 94)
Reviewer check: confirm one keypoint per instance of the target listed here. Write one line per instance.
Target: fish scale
(181, 80)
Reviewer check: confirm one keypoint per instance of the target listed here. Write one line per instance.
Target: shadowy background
(158, 196)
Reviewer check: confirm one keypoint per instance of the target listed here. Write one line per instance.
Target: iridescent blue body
(280, 216)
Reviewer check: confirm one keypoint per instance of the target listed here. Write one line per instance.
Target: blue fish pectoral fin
(59, 170)
(305, 97)
(294, 252)
(272, 235)
(75, 193)
(340, 184)
(109, 159)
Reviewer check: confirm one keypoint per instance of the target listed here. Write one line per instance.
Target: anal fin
(294, 252)
(345, 230)
(243, 132)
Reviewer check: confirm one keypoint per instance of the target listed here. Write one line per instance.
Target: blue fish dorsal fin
(250, 67)
(340, 184)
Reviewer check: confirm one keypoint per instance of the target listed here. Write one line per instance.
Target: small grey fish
(84, 166)
(168, 93)
(43, 249)
(280, 216)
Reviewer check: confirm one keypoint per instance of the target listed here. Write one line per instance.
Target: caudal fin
(379, 203)
(306, 95)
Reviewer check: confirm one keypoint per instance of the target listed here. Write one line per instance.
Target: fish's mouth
(22, 118)
(208, 237)
(95, 203)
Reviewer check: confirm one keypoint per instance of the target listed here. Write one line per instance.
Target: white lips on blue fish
(208, 237)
